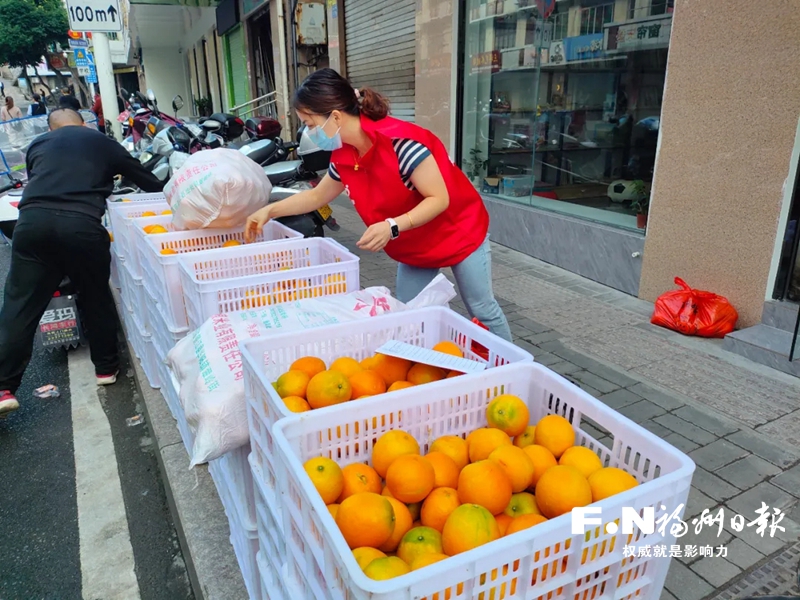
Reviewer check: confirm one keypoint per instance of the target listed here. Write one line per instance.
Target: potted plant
(641, 203)
(475, 165)
(204, 106)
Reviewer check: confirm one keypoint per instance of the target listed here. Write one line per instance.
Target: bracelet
(410, 220)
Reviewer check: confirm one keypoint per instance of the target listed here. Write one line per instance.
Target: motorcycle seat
(281, 171)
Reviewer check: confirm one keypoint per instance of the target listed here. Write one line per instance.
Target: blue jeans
(474, 279)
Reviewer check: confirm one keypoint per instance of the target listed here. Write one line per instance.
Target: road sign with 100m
(94, 15)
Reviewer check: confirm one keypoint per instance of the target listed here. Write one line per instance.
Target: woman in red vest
(418, 206)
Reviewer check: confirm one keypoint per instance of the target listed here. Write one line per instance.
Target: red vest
(377, 192)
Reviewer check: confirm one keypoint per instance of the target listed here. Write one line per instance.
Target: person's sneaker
(8, 403)
(107, 379)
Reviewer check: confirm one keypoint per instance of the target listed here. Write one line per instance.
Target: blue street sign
(92, 76)
(90, 58)
(80, 57)
(79, 43)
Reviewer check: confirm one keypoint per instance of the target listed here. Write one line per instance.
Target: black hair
(69, 101)
(325, 91)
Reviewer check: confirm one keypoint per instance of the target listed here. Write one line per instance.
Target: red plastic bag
(477, 348)
(694, 312)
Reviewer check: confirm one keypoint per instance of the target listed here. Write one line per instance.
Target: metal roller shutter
(381, 49)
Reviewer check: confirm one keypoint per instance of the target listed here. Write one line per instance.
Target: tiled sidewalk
(740, 422)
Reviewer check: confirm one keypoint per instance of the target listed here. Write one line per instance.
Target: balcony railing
(265, 105)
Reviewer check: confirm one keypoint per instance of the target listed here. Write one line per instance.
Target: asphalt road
(69, 465)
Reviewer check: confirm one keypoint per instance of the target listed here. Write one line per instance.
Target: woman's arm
(299, 204)
(428, 180)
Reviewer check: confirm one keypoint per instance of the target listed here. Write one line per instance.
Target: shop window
(562, 110)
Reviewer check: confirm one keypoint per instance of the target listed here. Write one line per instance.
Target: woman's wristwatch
(394, 228)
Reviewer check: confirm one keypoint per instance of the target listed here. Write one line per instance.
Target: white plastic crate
(115, 266)
(265, 359)
(271, 544)
(132, 332)
(162, 272)
(236, 476)
(258, 275)
(142, 197)
(274, 585)
(150, 362)
(120, 214)
(169, 390)
(244, 538)
(164, 336)
(544, 562)
(180, 416)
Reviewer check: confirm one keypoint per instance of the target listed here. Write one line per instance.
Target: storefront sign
(485, 62)
(583, 47)
(643, 35)
(557, 56)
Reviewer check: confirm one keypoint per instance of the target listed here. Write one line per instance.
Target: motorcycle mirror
(177, 103)
(124, 94)
(151, 96)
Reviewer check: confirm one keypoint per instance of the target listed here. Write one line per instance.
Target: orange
(420, 374)
(415, 508)
(166, 212)
(111, 236)
(445, 470)
(296, 404)
(148, 213)
(425, 560)
(391, 446)
(610, 481)
(385, 492)
(327, 478)
(382, 569)
(359, 478)
(333, 509)
(449, 348)
(583, 459)
(231, 243)
(516, 465)
(452, 374)
(410, 478)
(555, 433)
(454, 447)
(508, 414)
(155, 229)
(346, 366)
(292, 383)
(400, 385)
(367, 383)
(520, 504)
(524, 522)
(485, 483)
(328, 388)
(560, 490)
(482, 442)
(468, 527)
(419, 542)
(525, 438)
(310, 365)
(542, 460)
(389, 367)
(503, 521)
(366, 555)
(402, 524)
(437, 507)
(365, 519)
(167, 251)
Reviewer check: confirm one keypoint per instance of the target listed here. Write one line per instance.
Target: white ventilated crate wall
(244, 537)
(259, 275)
(265, 359)
(164, 336)
(121, 213)
(545, 562)
(162, 272)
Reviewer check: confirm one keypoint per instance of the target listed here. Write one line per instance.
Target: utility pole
(105, 79)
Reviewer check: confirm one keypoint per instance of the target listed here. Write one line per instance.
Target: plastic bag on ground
(216, 188)
(208, 365)
(694, 312)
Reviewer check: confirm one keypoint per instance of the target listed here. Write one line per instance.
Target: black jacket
(73, 168)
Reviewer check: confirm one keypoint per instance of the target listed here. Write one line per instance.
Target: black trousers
(47, 245)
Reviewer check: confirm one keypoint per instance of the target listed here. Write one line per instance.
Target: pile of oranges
(310, 383)
(406, 511)
(295, 289)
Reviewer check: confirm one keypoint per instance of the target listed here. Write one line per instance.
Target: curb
(198, 515)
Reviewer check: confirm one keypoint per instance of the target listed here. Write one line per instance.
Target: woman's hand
(255, 223)
(375, 237)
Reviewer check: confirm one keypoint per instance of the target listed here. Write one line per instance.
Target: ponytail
(325, 90)
(373, 105)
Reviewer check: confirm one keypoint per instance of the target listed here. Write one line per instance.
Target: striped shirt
(409, 156)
